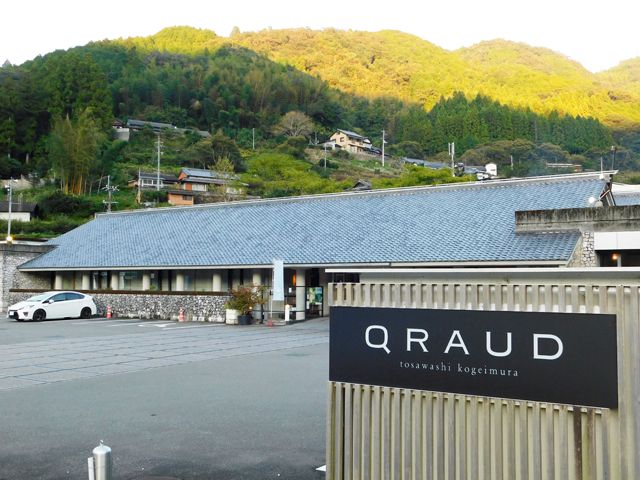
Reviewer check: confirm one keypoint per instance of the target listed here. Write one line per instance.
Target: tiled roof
(630, 199)
(450, 223)
(18, 206)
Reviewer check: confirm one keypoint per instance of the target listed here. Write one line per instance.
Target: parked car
(53, 305)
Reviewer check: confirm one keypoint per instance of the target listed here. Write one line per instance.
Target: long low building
(206, 249)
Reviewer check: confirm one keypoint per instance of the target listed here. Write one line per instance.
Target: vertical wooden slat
(632, 316)
(591, 438)
(551, 463)
(486, 440)
(536, 434)
(408, 421)
(358, 295)
(348, 439)
(338, 414)
(376, 433)
(428, 436)
(511, 300)
(524, 441)
(357, 432)
(429, 296)
(548, 298)
(396, 444)
(331, 432)
(486, 296)
(606, 446)
(622, 392)
(463, 296)
(588, 298)
(418, 294)
(535, 297)
(367, 431)
(385, 430)
(562, 298)
(451, 436)
(511, 439)
(575, 299)
(440, 440)
(419, 427)
(462, 436)
(522, 297)
(439, 297)
(474, 464)
(451, 297)
(563, 441)
(499, 297)
(498, 452)
(577, 442)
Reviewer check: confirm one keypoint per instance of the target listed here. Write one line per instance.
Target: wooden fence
(390, 433)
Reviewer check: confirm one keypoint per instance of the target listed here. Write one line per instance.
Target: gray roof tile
(453, 223)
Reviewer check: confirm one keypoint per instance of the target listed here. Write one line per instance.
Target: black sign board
(568, 358)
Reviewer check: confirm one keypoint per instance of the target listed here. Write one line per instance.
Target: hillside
(405, 66)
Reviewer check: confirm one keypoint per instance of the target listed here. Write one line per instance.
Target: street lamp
(10, 187)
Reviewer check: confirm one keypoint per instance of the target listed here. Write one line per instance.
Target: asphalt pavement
(181, 400)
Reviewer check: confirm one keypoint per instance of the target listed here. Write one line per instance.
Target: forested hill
(423, 96)
(405, 66)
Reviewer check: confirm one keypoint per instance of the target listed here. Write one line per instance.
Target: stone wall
(585, 254)
(11, 257)
(153, 305)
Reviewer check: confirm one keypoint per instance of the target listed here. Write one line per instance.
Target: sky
(599, 35)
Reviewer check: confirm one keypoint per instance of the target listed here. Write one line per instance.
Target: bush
(62, 203)
(157, 196)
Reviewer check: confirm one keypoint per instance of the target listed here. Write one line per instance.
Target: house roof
(19, 206)
(627, 199)
(194, 173)
(168, 177)
(454, 223)
(351, 134)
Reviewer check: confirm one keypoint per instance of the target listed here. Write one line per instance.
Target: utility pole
(9, 237)
(254, 138)
(613, 155)
(383, 142)
(109, 189)
(325, 155)
(159, 153)
(452, 152)
(139, 187)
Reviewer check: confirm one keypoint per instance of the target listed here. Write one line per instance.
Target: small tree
(294, 124)
(245, 297)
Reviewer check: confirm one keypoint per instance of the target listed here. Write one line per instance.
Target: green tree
(73, 149)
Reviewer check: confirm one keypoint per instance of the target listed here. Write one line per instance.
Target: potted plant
(242, 301)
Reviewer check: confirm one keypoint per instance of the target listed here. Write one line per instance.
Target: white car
(53, 305)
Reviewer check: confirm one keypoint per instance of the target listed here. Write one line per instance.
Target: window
(342, 139)
(73, 296)
(186, 197)
(622, 258)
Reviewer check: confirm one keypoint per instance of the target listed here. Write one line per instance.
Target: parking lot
(183, 400)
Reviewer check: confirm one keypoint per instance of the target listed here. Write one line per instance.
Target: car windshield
(38, 298)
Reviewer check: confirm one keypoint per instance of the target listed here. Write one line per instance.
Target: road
(182, 400)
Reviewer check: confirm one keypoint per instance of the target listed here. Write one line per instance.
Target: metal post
(101, 465)
(9, 239)
(254, 138)
(383, 142)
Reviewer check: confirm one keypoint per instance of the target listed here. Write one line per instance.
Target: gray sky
(599, 35)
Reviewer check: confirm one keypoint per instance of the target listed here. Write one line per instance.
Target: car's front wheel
(85, 313)
(39, 315)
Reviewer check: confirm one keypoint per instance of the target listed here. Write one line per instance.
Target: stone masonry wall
(585, 254)
(11, 257)
(161, 306)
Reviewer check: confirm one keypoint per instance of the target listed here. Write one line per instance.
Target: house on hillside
(198, 180)
(122, 131)
(149, 180)
(350, 141)
(22, 211)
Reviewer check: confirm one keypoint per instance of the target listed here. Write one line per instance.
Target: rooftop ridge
(380, 192)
